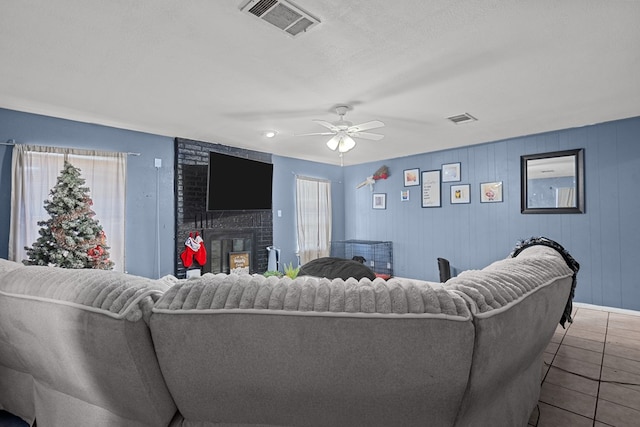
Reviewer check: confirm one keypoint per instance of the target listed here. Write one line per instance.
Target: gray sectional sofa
(85, 347)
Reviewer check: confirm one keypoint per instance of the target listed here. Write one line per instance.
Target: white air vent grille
(462, 118)
(282, 14)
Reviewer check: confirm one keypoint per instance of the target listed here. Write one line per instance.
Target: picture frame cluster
(431, 183)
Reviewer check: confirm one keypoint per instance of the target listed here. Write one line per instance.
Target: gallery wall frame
(451, 172)
(411, 177)
(431, 189)
(460, 194)
(379, 200)
(404, 195)
(491, 192)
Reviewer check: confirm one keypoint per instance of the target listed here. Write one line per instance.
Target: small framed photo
(460, 194)
(451, 172)
(411, 177)
(404, 195)
(379, 201)
(491, 192)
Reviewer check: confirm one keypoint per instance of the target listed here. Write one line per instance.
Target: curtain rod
(13, 142)
(311, 178)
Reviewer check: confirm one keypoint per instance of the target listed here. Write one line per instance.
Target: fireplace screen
(222, 246)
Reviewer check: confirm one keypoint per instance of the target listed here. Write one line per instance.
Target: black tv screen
(236, 183)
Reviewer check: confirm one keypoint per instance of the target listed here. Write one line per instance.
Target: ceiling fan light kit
(344, 131)
(342, 142)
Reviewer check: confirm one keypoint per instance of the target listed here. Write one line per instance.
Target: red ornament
(96, 252)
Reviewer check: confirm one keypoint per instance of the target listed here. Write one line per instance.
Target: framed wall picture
(411, 177)
(491, 192)
(460, 194)
(239, 262)
(431, 197)
(379, 201)
(451, 172)
(404, 195)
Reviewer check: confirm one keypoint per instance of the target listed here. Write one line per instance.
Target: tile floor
(591, 374)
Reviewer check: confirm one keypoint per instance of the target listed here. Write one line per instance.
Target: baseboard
(605, 308)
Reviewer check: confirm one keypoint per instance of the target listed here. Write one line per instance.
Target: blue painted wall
(605, 239)
(142, 178)
(285, 170)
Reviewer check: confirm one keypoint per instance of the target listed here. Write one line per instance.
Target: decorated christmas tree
(71, 238)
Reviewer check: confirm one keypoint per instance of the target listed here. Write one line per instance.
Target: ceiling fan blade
(314, 133)
(328, 125)
(366, 135)
(366, 126)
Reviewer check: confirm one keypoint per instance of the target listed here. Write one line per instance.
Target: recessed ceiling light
(269, 133)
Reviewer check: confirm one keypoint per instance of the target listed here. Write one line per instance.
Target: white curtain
(565, 197)
(313, 214)
(34, 173)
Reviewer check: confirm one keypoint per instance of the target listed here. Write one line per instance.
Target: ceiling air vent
(281, 14)
(462, 118)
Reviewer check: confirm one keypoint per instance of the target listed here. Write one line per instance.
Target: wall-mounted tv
(236, 183)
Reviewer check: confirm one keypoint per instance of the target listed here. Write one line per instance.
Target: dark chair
(445, 269)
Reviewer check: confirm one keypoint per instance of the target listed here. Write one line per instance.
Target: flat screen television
(235, 183)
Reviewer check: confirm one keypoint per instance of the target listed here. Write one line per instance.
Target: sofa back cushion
(517, 303)
(6, 265)
(82, 337)
(247, 350)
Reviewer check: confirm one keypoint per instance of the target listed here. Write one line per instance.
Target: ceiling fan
(344, 131)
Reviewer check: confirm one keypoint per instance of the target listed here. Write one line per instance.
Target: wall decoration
(411, 177)
(239, 262)
(460, 194)
(431, 197)
(404, 195)
(451, 172)
(491, 192)
(381, 173)
(379, 201)
(552, 183)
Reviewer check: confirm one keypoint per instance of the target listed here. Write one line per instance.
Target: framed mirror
(552, 183)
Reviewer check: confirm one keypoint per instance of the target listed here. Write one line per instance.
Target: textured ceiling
(205, 70)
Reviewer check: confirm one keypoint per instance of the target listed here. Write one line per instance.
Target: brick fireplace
(222, 231)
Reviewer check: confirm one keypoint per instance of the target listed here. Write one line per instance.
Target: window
(34, 173)
(313, 214)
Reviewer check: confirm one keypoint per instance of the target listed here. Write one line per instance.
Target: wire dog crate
(378, 254)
